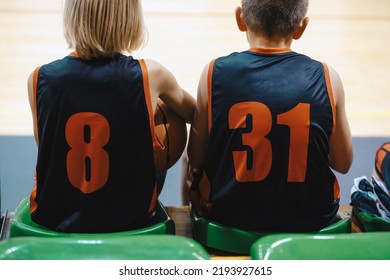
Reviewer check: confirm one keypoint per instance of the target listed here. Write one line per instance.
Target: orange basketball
(171, 132)
(381, 153)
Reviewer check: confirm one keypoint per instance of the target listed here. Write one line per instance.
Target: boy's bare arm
(199, 129)
(30, 90)
(164, 85)
(341, 150)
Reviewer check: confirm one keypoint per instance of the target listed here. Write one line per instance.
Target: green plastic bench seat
(352, 246)
(229, 239)
(369, 222)
(141, 247)
(22, 225)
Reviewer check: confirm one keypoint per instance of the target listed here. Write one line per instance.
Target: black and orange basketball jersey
(271, 116)
(95, 166)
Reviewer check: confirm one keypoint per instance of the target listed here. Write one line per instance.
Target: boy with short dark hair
(269, 126)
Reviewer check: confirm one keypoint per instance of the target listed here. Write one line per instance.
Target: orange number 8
(87, 163)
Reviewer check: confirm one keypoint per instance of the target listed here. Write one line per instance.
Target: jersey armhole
(145, 78)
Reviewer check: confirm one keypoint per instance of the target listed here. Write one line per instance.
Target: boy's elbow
(343, 169)
(342, 166)
(190, 106)
(190, 115)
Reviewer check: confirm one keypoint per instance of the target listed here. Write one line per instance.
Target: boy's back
(94, 110)
(274, 111)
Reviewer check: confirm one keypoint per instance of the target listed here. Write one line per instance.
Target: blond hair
(103, 28)
(274, 17)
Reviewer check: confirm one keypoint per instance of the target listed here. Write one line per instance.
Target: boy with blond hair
(93, 114)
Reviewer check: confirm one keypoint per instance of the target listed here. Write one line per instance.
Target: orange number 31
(298, 121)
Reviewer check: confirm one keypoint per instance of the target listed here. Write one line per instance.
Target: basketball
(382, 164)
(171, 132)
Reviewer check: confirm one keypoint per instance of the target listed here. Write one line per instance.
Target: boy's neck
(263, 42)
